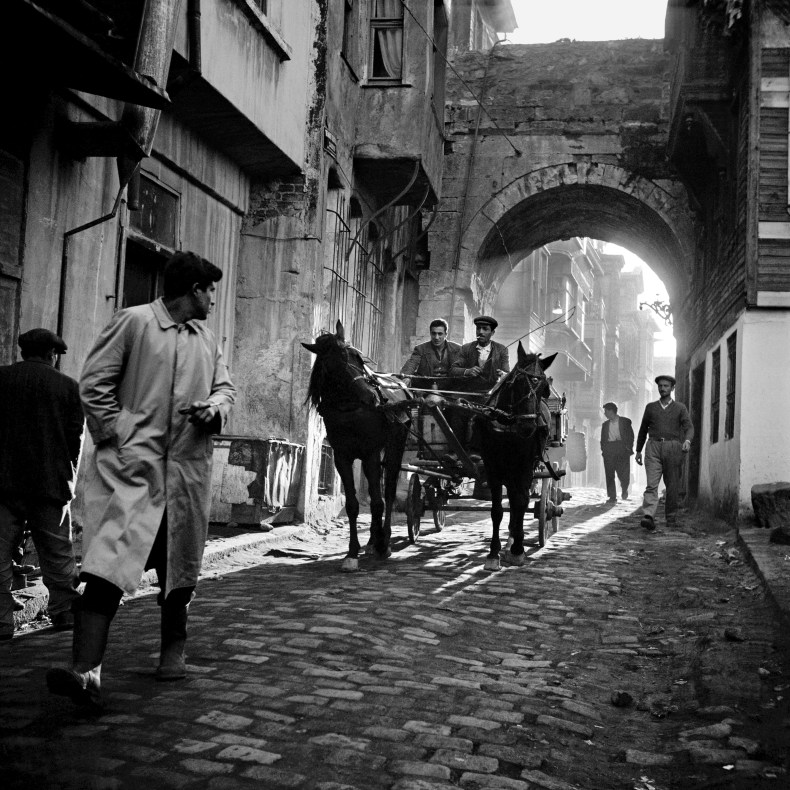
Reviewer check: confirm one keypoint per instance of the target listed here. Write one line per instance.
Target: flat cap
(40, 341)
(666, 377)
(486, 319)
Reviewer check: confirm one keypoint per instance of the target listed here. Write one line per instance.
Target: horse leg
(371, 466)
(393, 455)
(492, 560)
(518, 492)
(345, 468)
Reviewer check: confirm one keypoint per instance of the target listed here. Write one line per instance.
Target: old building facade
(298, 146)
(729, 140)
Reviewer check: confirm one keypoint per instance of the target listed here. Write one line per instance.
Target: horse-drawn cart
(440, 470)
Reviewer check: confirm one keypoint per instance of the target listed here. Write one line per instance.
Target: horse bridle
(529, 374)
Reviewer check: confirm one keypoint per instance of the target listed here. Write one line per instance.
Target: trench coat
(142, 369)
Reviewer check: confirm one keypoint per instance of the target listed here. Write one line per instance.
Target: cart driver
(434, 357)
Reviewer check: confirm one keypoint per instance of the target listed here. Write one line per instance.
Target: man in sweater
(617, 447)
(668, 425)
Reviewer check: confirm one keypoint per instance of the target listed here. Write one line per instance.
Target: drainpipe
(132, 138)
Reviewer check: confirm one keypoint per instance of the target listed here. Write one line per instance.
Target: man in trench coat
(154, 388)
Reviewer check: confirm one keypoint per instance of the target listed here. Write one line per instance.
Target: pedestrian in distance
(668, 426)
(41, 429)
(617, 447)
(154, 389)
(434, 357)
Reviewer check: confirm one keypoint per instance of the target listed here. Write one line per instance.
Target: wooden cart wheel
(542, 505)
(438, 504)
(555, 498)
(414, 507)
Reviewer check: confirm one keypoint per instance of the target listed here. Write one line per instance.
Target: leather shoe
(648, 523)
(611, 501)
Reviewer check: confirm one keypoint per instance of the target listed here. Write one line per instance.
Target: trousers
(49, 523)
(662, 459)
(617, 460)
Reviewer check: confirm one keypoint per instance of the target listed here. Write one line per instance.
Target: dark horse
(350, 400)
(511, 445)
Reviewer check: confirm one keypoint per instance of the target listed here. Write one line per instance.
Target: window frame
(715, 395)
(732, 361)
(384, 23)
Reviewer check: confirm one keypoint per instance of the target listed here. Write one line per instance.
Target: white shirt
(483, 353)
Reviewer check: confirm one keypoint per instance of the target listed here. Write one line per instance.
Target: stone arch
(587, 198)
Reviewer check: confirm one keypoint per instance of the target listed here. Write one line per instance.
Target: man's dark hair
(437, 322)
(610, 405)
(185, 269)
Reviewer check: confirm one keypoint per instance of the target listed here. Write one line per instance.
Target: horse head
(521, 391)
(339, 375)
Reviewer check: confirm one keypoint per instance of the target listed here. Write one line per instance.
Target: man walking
(434, 357)
(617, 447)
(154, 387)
(41, 427)
(669, 427)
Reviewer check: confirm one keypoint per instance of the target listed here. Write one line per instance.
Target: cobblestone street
(427, 672)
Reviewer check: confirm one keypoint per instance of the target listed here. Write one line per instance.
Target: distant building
(571, 298)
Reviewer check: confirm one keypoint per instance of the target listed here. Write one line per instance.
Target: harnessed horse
(510, 445)
(351, 400)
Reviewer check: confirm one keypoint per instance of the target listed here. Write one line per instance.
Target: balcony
(72, 51)
(574, 357)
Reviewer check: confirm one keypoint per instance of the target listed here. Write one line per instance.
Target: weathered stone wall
(571, 143)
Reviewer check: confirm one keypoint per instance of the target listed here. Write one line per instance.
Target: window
(386, 41)
(729, 418)
(326, 471)
(439, 51)
(151, 239)
(715, 387)
(356, 276)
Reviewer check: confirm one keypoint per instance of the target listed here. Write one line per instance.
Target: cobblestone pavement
(426, 672)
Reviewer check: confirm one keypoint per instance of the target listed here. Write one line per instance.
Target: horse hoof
(350, 564)
(515, 561)
(384, 555)
(491, 564)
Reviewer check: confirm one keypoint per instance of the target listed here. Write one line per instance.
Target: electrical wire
(564, 317)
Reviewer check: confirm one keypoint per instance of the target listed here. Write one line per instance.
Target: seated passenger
(434, 357)
(482, 362)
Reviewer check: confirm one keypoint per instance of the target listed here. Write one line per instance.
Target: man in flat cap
(668, 426)
(41, 427)
(483, 360)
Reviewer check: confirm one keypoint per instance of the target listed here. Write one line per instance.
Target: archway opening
(604, 312)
